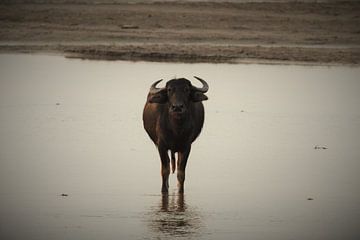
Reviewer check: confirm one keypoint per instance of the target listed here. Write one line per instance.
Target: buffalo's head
(178, 93)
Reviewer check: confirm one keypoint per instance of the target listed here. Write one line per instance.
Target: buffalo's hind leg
(173, 167)
(182, 160)
(165, 168)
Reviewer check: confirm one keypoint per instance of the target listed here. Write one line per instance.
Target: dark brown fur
(173, 118)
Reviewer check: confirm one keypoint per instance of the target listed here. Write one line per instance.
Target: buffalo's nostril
(177, 108)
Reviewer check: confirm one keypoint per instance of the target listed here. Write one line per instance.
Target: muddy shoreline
(306, 33)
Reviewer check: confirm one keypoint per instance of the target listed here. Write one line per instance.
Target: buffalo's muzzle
(177, 108)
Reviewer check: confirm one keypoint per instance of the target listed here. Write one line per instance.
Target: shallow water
(74, 127)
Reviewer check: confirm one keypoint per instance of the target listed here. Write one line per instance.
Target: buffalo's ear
(198, 96)
(160, 97)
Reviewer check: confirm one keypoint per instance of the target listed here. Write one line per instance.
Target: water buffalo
(173, 118)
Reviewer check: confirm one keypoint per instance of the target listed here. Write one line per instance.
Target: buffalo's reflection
(173, 217)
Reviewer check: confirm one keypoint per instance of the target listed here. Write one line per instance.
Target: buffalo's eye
(170, 90)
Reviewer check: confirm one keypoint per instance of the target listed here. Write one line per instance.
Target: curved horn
(154, 89)
(205, 87)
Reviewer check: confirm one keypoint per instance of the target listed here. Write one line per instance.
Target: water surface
(274, 138)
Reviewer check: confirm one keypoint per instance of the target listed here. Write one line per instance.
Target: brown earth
(321, 33)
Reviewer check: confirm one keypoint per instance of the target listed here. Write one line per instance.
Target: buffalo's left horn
(154, 89)
(205, 87)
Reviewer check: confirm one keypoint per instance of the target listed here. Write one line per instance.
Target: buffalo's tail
(173, 164)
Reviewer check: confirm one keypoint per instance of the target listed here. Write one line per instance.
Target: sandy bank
(186, 32)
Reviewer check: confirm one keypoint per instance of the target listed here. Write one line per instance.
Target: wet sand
(278, 157)
(307, 33)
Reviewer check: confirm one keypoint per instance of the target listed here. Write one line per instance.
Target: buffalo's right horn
(154, 89)
(205, 87)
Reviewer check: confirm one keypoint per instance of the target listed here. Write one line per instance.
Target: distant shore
(306, 33)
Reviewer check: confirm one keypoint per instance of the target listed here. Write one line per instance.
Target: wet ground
(278, 157)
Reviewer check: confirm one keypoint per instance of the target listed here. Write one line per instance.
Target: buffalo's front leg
(165, 168)
(182, 160)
